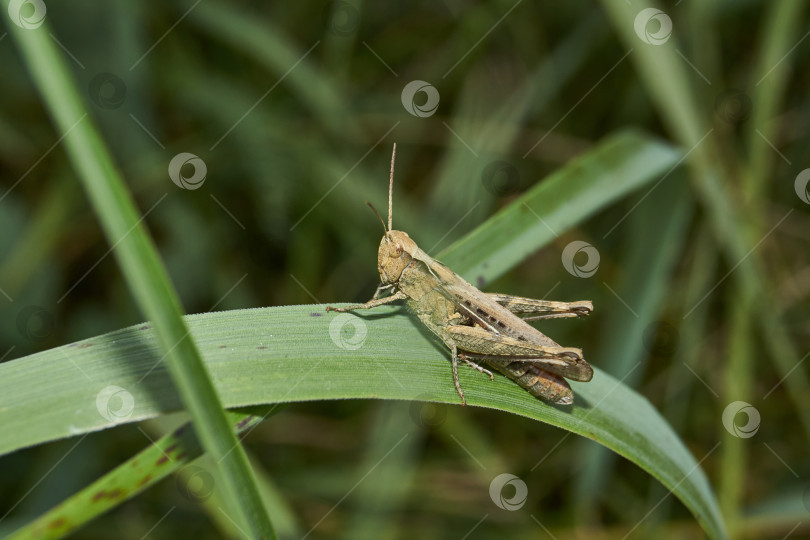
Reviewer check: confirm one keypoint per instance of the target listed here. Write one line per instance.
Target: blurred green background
(293, 108)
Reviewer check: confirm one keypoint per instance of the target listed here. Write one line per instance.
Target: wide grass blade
(301, 353)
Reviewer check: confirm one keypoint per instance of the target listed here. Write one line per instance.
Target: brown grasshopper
(489, 328)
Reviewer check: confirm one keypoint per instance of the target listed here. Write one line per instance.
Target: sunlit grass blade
(617, 166)
(300, 353)
(142, 269)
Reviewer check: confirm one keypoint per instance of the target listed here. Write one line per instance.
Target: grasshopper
(477, 326)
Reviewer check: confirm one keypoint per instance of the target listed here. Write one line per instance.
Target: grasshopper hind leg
(532, 378)
(454, 354)
(463, 357)
(530, 309)
(454, 361)
(476, 366)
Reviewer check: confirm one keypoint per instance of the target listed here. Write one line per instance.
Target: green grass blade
(379, 502)
(779, 34)
(167, 455)
(258, 38)
(665, 77)
(619, 165)
(648, 266)
(737, 385)
(682, 382)
(143, 270)
(301, 353)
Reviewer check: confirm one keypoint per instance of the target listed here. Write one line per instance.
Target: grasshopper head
(394, 255)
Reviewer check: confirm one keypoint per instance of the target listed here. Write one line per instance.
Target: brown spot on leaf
(145, 480)
(85, 345)
(57, 523)
(316, 314)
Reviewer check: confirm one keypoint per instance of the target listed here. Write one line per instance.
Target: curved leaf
(300, 353)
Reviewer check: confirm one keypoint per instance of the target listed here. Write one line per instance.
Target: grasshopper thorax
(395, 254)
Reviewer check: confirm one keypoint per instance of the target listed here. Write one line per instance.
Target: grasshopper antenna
(378, 215)
(391, 186)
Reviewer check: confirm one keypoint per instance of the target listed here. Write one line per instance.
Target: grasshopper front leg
(542, 309)
(466, 360)
(381, 288)
(374, 302)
